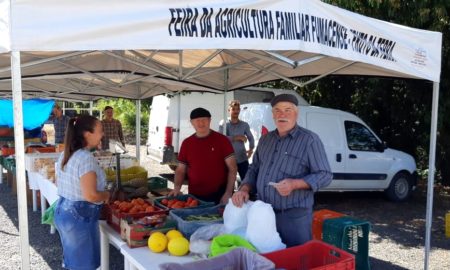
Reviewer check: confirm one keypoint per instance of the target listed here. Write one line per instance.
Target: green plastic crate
(351, 235)
(157, 183)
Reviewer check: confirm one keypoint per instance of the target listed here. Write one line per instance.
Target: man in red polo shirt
(207, 159)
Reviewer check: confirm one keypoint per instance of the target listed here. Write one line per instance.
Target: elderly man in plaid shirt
(112, 128)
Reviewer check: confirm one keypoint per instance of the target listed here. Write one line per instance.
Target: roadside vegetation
(398, 110)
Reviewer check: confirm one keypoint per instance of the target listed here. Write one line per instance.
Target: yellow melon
(157, 242)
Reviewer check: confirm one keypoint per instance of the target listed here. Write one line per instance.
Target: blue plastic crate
(189, 227)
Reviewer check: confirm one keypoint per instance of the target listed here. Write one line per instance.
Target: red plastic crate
(313, 255)
(318, 218)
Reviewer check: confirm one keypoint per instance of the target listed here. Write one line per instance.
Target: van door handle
(338, 157)
(353, 156)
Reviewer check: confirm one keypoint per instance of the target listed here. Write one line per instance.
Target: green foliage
(125, 112)
(398, 110)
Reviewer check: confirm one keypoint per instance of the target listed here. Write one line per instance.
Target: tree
(125, 112)
(399, 110)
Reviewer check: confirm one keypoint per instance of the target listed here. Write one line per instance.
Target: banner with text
(5, 43)
(307, 25)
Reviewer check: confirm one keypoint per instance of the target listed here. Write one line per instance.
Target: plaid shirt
(79, 164)
(111, 130)
(60, 125)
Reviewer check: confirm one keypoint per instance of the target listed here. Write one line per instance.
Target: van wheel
(172, 167)
(400, 188)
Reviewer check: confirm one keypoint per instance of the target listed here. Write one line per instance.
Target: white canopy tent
(143, 48)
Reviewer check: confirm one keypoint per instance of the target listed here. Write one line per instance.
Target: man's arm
(251, 140)
(232, 171)
(231, 178)
(321, 175)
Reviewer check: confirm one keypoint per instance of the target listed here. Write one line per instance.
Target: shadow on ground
(402, 222)
(46, 245)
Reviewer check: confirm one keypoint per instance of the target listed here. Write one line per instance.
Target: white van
(169, 122)
(359, 160)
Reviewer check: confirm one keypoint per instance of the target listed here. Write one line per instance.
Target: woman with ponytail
(81, 187)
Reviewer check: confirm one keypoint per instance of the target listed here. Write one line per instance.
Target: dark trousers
(294, 225)
(242, 169)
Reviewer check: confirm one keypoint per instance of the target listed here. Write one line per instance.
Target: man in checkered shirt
(112, 128)
(60, 122)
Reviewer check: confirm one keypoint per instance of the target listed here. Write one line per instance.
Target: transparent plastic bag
(262, 228)
(201, 239)
(235, 218)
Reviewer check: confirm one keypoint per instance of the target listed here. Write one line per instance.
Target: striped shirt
(298, 155)
(79, 164)
(60, 125)
(112, 130)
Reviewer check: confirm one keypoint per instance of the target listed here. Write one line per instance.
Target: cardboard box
(114, 216)
(136, 235)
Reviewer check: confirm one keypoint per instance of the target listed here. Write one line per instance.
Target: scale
(117, 149)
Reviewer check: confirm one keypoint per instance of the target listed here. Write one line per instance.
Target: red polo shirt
(205, 161)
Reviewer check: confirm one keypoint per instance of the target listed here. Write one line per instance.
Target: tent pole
(431, 171)
(138, 130)
(20, 160)
(91, 105)
(225, 108)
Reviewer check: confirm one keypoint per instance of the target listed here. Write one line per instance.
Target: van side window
(359, 138)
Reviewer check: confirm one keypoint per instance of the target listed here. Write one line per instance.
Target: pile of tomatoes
(134, 206)
(176, 203)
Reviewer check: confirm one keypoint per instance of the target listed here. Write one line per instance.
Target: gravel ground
(396, 239)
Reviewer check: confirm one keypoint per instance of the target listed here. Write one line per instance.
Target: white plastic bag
(235, 218)
(262, 228)
(201, 239)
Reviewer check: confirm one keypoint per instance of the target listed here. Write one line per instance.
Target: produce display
(204, 217)
(48, 172)
(178, 246)
(136, 187)
(134, 206)
(172, 234)
(157, 242)
(177, 203)
(173, 241)
(153, 220)
(41, 162)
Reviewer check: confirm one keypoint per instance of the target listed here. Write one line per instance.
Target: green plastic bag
(226, 242)
(49, 215)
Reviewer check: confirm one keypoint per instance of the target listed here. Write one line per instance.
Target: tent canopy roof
(140, 49)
